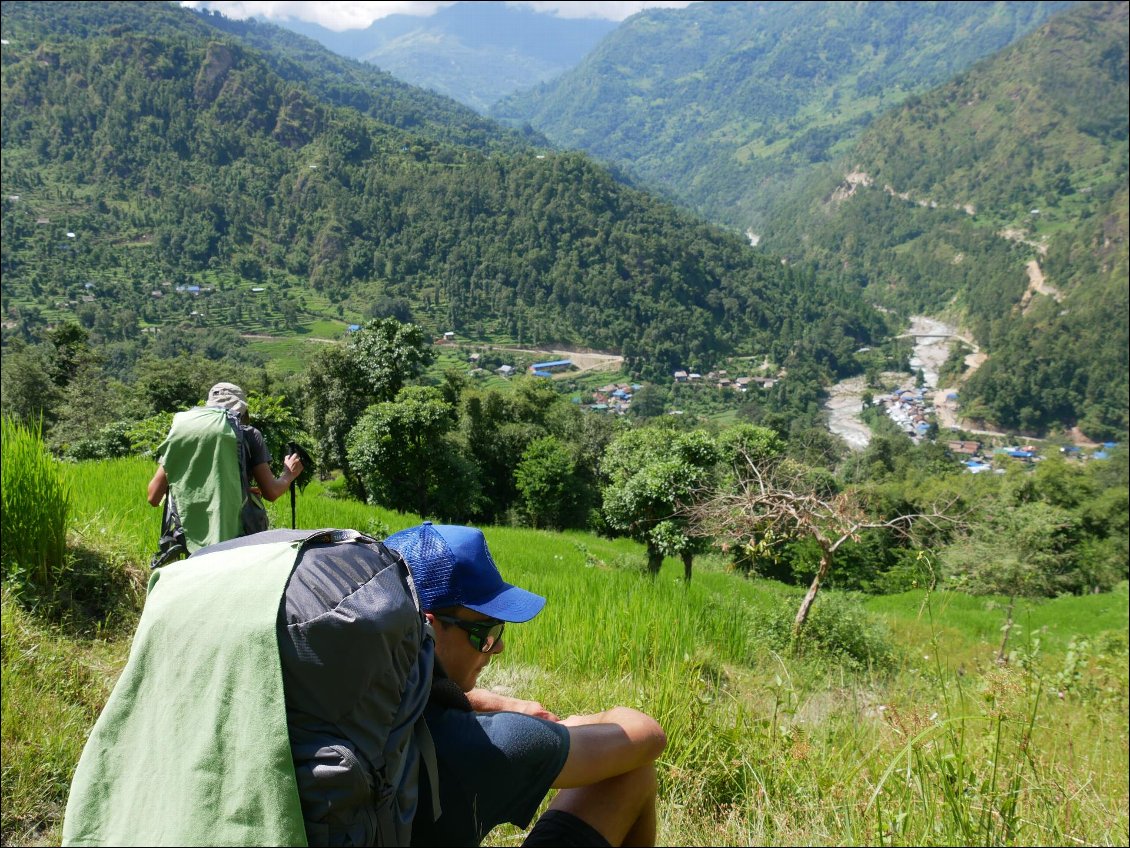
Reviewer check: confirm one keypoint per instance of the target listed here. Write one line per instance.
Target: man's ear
(430, 616)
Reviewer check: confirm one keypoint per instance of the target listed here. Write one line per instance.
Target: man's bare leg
(621, 808)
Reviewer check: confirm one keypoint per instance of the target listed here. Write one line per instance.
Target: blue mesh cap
(452, 567)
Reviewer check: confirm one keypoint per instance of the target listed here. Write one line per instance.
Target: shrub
(34, 514)
(146, 436)
(111, 441)
(838, 627)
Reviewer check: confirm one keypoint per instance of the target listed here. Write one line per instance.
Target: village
(911, 409)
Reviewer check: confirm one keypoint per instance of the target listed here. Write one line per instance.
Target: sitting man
(497, 756)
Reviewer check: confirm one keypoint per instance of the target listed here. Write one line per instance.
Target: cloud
(334, 15)
(340, 16)
(612, 10)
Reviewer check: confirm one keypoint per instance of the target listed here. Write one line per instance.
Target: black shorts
(558, 828)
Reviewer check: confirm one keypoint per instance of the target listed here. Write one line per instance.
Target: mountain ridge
(475, 53)
(719, 104)
(226, 179)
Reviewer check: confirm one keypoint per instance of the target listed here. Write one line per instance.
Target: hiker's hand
(294, 465)
(485, 701)
(533, 708)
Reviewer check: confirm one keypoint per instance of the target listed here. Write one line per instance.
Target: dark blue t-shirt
(493, 768)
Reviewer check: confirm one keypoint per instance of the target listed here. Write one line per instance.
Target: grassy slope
(945, 747)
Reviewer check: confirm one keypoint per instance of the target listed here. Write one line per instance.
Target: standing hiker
(499, 756)
(212, 468)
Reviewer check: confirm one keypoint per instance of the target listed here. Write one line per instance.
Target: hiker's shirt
(493, 768)
(257, 452)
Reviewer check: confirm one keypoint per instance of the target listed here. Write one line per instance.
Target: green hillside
(1000, 197)
(146, 157)
(725, 105)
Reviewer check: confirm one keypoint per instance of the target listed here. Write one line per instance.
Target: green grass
(285, 355)
(36, 510)
(54, 686)
(942, 746)
(974, 622)
(323, 328)
(111, 509)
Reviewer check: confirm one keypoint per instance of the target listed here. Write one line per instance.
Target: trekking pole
(293, 447)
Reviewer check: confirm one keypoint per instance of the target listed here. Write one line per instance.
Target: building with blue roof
(555, 365)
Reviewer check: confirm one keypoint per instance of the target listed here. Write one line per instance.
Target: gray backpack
(356, 656)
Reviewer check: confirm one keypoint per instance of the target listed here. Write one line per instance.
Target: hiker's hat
(228, 396)
(452, 567)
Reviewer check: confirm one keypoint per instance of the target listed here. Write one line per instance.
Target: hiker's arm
(608, 744)
(485, 701)
(273, 487)
(158, 486)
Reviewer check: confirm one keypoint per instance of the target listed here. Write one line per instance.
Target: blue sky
(358, 15)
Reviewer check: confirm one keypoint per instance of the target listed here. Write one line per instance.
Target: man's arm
(608, 744)
(158, 486)
(273, 487)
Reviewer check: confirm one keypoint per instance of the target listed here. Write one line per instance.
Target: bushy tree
(335, 397)
(545, 479)
(389, 354)
(403, 458)
(28, 393)
(653, 476)
(342, 382)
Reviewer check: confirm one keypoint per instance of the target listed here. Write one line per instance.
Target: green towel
(192, 746)
(201, 460)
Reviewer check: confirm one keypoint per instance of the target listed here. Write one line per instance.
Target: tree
(91, 403)
(402, 457)
(28, 393)
(545, 479)
(334, 396)
(342, 383)
(70, 350)
(1030, 549)
(273, 417)
(648, 402)
(388, 354)
(777, 500)
(652, 477)
(496, 435)
(171, 385)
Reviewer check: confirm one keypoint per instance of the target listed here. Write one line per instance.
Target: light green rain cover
(201, 460)
(192, 746)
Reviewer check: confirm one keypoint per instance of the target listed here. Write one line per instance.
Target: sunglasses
(484, 635)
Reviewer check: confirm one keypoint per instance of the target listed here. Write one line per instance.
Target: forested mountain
(296, 59)
(724, 104)
(476, 53)
(148, 151)
(1002, 197)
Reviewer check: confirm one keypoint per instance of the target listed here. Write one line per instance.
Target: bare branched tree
(766, 502)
